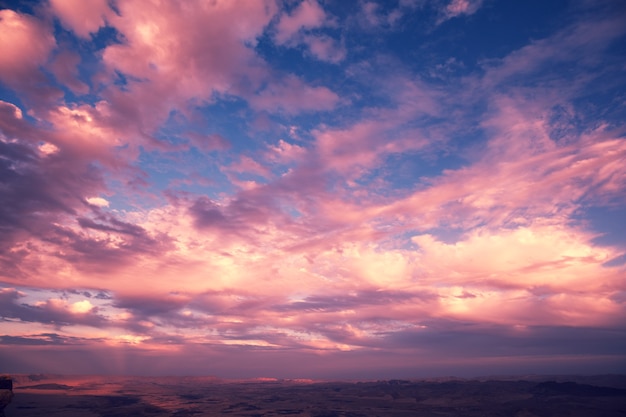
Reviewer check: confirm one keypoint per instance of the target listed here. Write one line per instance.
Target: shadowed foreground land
(37, 395)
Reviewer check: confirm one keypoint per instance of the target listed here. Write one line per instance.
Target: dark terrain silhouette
(206, 396)
(6, 392)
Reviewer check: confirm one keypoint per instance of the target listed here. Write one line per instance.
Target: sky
(313, 188)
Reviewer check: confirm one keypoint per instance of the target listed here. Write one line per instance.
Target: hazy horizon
(321, 189)
(317, 369)
(21, 380)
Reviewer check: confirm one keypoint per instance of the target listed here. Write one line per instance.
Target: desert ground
(528, 396)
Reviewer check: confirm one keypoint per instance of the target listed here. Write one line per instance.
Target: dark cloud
(239, 216)
(109, 252)
(150, 306)
(37, 192)
(33, 185)
(76, 292)
(45, 339)
(47, 312)
(323, 303)
(207, 214)
(44, 194)
(110, 224)
(237, 361)
(102, 295)
(477, 340)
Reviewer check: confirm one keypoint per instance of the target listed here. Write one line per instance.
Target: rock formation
(6, 392)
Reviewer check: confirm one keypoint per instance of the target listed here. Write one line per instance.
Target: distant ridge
(60, 387)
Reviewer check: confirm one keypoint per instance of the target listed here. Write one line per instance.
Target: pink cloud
(47, 203)
(326, 302)
(292, 96)
(191, 179)
(169, 61)
(175, 42)
(175, 54)
(352, 151)
(247, 231)
(520, 175)
(51, 311)
(10, 112)
(579, 43)
(364, 145)
(89, 132)
(459, 7)
(307, 15)
(294, 29)
(315, 257)
(247, 165)
(534, 251)
(369, 12)
(371, 15)
(208, 143)
(359, 145)
(285, 153)
(97, 201)
(527, 256)
(26, 44)
(81, 17)
(325, 48)
(65, 69)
